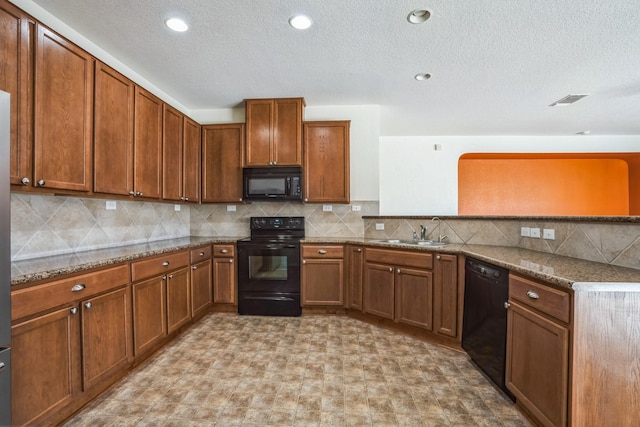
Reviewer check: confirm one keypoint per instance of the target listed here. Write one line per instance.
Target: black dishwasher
(484, 323)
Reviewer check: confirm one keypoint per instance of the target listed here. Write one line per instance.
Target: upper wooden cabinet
(274, 132)
(172, 154)
(326, 162)
(147, 177)
(191, 160)
(222, 156)
(63, 113)
(113, 132)
(16, 78)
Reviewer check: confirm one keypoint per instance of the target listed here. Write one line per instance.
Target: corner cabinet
(355, 276)
(322, 275)
(326, 162)
(222, 158)
(63, 134)
(274, 132)
(17, 32)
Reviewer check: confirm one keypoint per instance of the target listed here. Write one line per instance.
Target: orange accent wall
(545, 184)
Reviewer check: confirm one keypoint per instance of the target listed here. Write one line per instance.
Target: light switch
(111, 205)
(356, 208)
(327, 208)
(535, 232)
(231, 208)
(525, 231)
(549, 234)
(380, 226)
(176, 208)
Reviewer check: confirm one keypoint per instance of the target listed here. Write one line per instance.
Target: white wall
(417, 180)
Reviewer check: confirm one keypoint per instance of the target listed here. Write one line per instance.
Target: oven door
(268, 268)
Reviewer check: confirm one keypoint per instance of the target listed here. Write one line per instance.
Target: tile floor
(231, 370)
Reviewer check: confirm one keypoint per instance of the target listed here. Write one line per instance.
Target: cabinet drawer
(200, 254)
(158, 265)
(323, 251)
(224, 250)
(548, 300)
(407, 259)
(25, 302)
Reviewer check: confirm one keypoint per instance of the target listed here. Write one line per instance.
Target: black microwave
(279, 183)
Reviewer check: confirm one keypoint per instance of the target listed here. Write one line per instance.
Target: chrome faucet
(423, 232)
(441, 237)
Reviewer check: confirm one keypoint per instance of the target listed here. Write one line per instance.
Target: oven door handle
(268, 298)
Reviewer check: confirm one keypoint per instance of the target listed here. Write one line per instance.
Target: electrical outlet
(525, 231)
(535, 232)
(380, 226)
(356, 208)
(176, 208)
(111, 205)
(231, 208)
(549, 234)
(327, 208)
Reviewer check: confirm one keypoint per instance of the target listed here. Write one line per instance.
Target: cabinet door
(446, 295)
(326, 162)
(113, 137)
(178, 299)
(16, 78)
(222, 153)
(106, 336)
(224, 280)
(45, 365)
(378, 297)
(355, 273)
(259, 122)
(414, 297)
(172, 154)
(63, 113)
(537, 364)
(201, 289)
(147, 170)
(149, 315)
(287, 132)
(322, 282)
(191, 161)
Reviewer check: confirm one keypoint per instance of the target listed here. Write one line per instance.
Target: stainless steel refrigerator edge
(5, 264)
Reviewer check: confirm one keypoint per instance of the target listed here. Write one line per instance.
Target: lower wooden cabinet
(201, 283)
(446, 296)
(224, 274)
(414, 297)
(537, 365)
(149, 313)
(178, 299)
(59, 355)
(355, 276)
(322, 275)
(379, 290)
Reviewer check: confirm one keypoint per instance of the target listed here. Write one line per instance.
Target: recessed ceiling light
(300, 22)
(419, 16)
(422, 76)
(176, 24)
(569, 99)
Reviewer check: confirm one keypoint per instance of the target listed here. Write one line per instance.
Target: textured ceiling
(496, 65)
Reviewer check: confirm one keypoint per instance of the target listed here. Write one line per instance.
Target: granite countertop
(32, 270)
(556, 270)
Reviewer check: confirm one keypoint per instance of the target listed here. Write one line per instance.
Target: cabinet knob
(390, 269)
(359, 250)
(132, 193)
(186, 199)
(171, 276)
(25, 181)
(507, 305)
(304, 261)
(74, 310)
(41, 182)
(78, 287)
(166, 263)
(322, 251)
(201, 254)
(164, 277)
(240, 199)
(223, 251)
(306, 200)
(87, 305)
(532, 295)
(194, 267)
(437, 256)
(230, 260)
(398, 271)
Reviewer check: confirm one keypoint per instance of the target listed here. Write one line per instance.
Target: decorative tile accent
(215, 374)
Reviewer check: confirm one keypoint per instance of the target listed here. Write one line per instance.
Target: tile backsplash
(609, 243)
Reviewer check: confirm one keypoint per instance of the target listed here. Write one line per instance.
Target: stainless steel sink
(429, 243)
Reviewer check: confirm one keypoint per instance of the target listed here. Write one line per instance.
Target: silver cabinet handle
(166, 263)
(437, 256)
(25, 181)
(195, 267)
(201, 254)
(78, 287)
(322, 251)
(532, 295)
(87, 305)
(74, 310)
(507, 305)
(223, 251)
